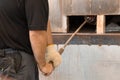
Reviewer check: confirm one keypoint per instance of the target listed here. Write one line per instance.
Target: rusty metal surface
(91, 7)
(76, 7)
(67, 6)
(104, 6)
(89, 39)
(81, 6)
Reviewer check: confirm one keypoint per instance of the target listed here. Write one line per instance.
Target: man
(23, 33)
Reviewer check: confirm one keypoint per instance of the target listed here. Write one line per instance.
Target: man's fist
(46, 69)
(53, 55)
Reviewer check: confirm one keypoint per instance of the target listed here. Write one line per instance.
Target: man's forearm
(49, 34)
(38, 41)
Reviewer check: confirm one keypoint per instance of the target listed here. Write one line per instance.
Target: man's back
(13, 26)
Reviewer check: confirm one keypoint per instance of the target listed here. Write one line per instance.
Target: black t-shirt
(17, 17)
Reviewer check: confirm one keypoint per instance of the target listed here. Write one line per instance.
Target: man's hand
(46, 69)
(53, 56)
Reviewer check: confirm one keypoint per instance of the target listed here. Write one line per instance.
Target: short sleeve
(37, 14)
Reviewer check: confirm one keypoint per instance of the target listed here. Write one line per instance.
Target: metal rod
(66, 43)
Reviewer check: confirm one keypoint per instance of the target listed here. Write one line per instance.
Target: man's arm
(49, 34)
(52, 54)
(38, 41)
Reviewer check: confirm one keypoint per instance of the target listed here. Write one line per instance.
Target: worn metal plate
(105, 6)
(91, 7)
(55, 15)
(89, 39)
(84, 62)
(67, 6)
(76, 7)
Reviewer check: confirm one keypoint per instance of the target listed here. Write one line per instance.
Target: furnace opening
(113, 24)
(75, 21)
